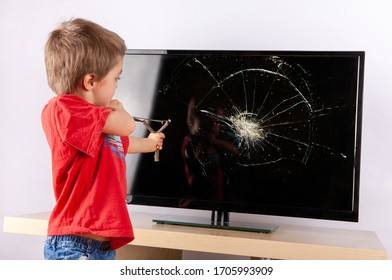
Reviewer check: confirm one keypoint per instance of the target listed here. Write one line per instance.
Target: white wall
(25, 180)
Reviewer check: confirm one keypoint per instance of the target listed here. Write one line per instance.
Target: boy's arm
(119, 121)
(153, 142)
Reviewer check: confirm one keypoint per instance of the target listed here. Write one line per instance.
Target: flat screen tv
(259, 132)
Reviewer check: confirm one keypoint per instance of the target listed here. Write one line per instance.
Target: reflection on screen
(250, 132)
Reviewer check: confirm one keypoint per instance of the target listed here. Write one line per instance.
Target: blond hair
(79, 47)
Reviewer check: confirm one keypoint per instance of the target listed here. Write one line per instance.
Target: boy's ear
(88, 81)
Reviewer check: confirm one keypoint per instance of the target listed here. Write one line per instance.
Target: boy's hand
(152, 143)
(157, 139)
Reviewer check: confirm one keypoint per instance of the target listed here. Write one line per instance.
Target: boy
(88, 135)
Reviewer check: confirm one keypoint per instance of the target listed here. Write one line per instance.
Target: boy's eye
(118, 78)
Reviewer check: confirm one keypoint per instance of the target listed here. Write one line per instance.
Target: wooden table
(158, 241)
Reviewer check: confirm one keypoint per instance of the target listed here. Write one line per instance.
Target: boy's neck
(84, 94)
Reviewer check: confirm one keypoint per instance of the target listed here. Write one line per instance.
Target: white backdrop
(25, 178)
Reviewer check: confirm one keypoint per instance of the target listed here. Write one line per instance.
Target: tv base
(209, 223)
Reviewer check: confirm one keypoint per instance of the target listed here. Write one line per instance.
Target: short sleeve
(80, 123)
(125, 143)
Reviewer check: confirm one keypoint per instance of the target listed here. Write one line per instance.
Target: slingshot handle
(156, 156)
(144, 121)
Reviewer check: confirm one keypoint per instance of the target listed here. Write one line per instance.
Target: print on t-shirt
(115, 144)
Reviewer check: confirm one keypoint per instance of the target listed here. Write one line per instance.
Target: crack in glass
(267, 112)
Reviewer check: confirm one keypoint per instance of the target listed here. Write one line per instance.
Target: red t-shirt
(88, 171)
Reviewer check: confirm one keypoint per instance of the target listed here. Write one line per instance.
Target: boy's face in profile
(104, 90)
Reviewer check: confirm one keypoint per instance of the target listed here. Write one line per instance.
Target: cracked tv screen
(254, 132)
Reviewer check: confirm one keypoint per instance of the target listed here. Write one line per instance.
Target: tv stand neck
(220, 218)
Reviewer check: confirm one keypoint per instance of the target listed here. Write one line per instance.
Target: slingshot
(164, 123)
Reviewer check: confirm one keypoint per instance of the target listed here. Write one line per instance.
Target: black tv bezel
(270, 210)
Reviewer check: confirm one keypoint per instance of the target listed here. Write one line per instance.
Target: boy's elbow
(121, 124)
(129, 129)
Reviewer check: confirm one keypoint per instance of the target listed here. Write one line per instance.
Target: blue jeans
(71, 247)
